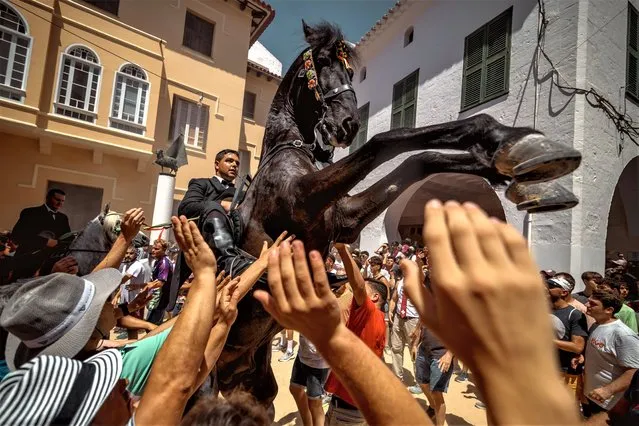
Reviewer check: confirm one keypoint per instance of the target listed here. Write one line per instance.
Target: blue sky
(284, 36)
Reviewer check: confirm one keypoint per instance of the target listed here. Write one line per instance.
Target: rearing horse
(314, 110)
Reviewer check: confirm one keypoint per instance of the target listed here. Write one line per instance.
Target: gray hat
(55, 314)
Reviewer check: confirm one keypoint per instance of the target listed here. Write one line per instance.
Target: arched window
(130, 99)
(15, 47)
(362, 74)
(79, 81)
(408, 36)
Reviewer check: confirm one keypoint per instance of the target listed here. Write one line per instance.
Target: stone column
(163, 207)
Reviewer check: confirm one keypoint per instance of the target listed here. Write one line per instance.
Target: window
(190, 119)
(408, 36)
(362, 75)
(110, 6)
(404, 102)
(487, 62)
(15, 47)
(198, 34)
(245, 162)
(632, 62)
(78, 89)
(361, 137)
(248, 111)
(130, 98)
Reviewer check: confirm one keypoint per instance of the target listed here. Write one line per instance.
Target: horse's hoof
(541, 197)
(534, 158)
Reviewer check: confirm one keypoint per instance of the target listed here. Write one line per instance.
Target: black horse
(298, 190)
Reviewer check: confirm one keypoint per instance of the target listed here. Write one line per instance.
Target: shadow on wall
(407, 212)
(623, 234)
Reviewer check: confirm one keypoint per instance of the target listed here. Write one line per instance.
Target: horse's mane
(324, 38)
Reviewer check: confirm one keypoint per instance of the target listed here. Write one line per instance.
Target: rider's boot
(218, 235)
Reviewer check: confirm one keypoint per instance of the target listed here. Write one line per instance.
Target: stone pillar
(163, 207)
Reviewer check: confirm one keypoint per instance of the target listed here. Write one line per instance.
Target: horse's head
(111, 225)
(320, 88)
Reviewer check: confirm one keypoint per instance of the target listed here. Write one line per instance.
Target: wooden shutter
(473, 70)
(497, 53)
(487, 62)
(362, 134)
(632, 66)
(410, 100)
(404, 102)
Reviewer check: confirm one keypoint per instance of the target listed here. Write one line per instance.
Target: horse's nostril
(350, 126)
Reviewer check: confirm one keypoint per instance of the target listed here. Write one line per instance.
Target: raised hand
(227, 303)
(485, 285)
(266, 250)
(297, 300)
(197, 253)
(485, 289)
(131, 223)
(141, 299)
(67, 265)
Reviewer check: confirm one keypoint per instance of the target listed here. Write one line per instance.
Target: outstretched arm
(307, 304)
(130, 226)
(352, 272)
(479, 266)
(166, 393)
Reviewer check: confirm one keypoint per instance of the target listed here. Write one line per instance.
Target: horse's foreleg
(351, 214)
(518, 152)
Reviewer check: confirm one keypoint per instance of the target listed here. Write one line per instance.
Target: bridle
(310, 72)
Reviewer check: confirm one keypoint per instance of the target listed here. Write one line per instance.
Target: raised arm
(166, 393)
(352, 272)
(129, 228)
(479, 266)
(308, 305)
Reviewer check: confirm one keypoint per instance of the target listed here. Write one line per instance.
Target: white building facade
(589, 42)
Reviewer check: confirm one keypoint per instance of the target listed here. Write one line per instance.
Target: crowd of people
(110, 347)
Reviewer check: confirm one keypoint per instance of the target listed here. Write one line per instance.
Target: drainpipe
(529, 222)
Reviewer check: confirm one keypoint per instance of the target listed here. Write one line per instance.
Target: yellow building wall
(252, 131)
(37, 145)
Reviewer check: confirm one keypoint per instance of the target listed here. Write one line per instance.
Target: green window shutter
(410, 99)
(473, 71)
(632, 66)
(487, 62)
(497, 56)
(362, 133)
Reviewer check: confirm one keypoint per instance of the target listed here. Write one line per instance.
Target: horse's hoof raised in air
(541, 197)
(534, 158)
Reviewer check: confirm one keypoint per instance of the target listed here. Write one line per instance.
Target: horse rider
(209, 199)
(38, 230)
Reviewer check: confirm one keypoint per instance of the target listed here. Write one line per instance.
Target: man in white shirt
(612, 354)
(132, 276)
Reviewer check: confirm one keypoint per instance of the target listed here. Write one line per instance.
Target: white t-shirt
(611, 349)
(136, 270)
(309, 354)
(411, 312)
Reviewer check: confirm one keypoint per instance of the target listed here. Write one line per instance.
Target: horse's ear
(107, 208)
(308, 31)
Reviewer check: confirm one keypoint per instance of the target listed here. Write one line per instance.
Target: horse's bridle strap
(338, 90)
